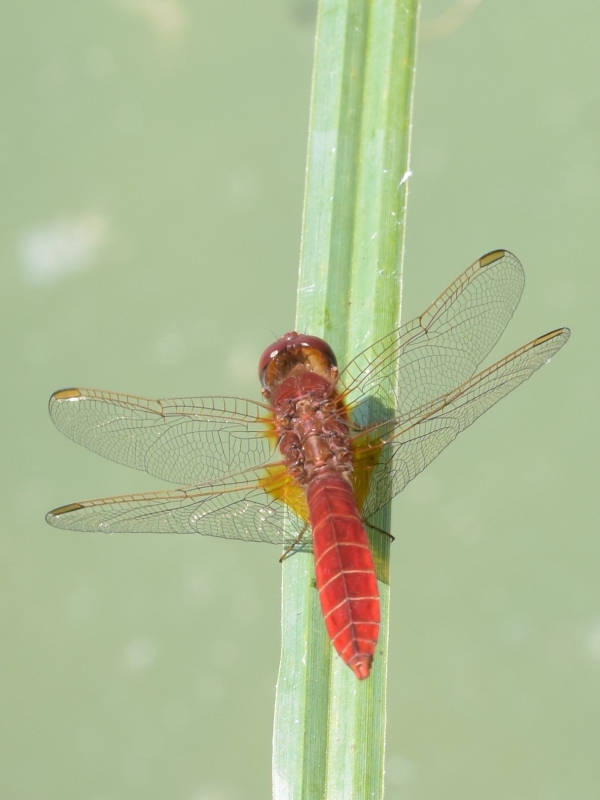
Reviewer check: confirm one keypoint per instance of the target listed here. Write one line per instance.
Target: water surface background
(152, 159)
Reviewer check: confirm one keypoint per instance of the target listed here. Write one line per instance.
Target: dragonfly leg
(296, 541)
(385, 533)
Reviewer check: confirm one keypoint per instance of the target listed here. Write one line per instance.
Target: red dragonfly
(346, 441)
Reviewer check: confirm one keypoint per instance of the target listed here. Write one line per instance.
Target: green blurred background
(152, 157)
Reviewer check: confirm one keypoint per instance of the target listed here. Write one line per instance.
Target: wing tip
(65, 394)
(558, 333)
(53, 516)
(492, 257)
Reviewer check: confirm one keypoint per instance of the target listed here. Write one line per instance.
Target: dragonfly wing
(442, 348)
(247, 506)
(185, 440)
(411, 443)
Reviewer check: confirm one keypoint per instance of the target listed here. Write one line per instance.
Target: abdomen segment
(344, 570)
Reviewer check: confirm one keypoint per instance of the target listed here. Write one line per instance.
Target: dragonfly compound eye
(289, 351)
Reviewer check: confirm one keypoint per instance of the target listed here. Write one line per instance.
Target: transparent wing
(410, 443)
(440, 349)
(253, 506)
(188, 440)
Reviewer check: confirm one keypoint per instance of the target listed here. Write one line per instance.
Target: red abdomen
(345, 571)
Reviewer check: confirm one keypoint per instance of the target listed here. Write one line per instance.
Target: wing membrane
(248, 506)
(440, 349)
(186, 440)
(412, 442)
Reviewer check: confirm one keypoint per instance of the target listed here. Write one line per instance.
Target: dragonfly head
(294, 352)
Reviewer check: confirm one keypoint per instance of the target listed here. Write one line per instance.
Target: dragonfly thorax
(311, 426)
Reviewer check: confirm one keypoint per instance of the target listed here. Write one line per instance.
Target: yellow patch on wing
(278, 483)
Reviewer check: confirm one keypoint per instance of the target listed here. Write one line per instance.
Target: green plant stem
(329, 731)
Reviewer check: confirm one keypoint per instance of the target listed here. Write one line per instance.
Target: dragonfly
(324, 450)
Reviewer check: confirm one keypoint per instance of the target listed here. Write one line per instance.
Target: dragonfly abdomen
(345, 571)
